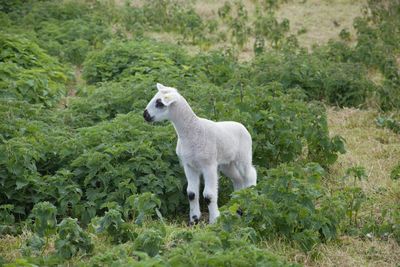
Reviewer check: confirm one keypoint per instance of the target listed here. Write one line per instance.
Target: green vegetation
(84, 180)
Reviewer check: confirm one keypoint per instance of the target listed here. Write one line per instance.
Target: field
(85, 181)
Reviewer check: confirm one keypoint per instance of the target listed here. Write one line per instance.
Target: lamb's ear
(161, 87)
(164, 89)
(169, 98)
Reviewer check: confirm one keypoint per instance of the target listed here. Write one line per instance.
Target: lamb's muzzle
(147, 116)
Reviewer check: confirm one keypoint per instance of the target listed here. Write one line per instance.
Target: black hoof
(239, 212)
(194, 221)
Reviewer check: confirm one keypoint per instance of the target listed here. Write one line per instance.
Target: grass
(9, 247)
(314, 22)
(377, 149)
(321, 19)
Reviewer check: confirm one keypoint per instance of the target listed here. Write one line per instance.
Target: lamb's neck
(183, 118)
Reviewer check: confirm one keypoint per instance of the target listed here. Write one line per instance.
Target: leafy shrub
(121, 153)
(118, 255)
(146, 205)
(267, 27)
(167, 16)
(377, 48)
(118, 60)
(45, 222)
(149, 241)
(7, 219)
(236, 17)
(67, 29)
(206, 247)
(72, 239)
(283, 128)
(217, 67)
(389, 96)
(354, 196)
(116, 227)
(385, 225)
(377, 41)
(56, 10)
(9, 6)
(28, 73)
(71, 40)
(45, 218)
(33, 146)
(389, 122)
(209, 249)
(79, 182)
(337, 83)
(107, 101)
(287, 202)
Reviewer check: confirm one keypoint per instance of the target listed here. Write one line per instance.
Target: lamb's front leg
(193, 179)
(210, 193)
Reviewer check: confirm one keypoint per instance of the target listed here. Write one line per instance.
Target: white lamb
(204, 147)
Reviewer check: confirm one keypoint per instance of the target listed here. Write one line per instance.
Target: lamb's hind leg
(230, 171)
(210, 193)
(193, 179)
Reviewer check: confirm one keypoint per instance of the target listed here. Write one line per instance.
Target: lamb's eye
(159, 104)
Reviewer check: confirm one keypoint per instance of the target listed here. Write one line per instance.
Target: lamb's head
(158, 107)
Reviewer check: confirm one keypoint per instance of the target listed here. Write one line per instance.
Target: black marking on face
(207, 200)
(195, 219)
(159, 103)
(191, 196)
(147, 116)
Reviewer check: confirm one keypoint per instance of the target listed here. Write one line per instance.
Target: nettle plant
(72, 239)
(284, 127)
(353, 194)
(288, 202)
(7, 219)
(116, 221)
(268, 28)
(28, 73)
(117, 229)
(237, 19)
(322, 79)
(45, 222)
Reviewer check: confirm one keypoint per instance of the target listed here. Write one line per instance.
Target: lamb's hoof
(194, 221)
(239, 212)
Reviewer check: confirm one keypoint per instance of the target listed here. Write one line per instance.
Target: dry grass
(322, 19)
(345, 252)
(9, 247)
(377, 149)
(351, 251)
